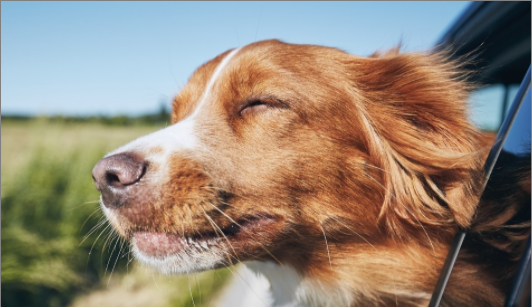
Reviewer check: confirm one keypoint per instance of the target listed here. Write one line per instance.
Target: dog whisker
(218, 232)
(98, 237)
(99, 224)
(236, 223)
(116, 259)
(190, 290)
(327, 245)
(116, 240)
(84, 204)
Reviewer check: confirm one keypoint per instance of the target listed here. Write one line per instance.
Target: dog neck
(289, 288)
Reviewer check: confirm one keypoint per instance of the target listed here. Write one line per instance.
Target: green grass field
(49, 205)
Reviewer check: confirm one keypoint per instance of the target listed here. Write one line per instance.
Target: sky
(129, 58)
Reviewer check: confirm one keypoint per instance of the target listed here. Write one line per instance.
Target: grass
(49, 205)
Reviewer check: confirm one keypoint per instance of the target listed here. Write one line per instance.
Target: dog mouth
(235, 236)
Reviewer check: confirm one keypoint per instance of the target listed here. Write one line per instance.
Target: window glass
(488, 105)
(512, 91)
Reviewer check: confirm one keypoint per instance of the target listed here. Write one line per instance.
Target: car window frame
(518, 291)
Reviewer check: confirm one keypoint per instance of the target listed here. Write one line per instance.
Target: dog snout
(114, 176)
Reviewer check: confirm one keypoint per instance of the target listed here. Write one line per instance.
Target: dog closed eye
(254, 106)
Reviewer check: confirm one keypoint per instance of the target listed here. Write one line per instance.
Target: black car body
(499, 32)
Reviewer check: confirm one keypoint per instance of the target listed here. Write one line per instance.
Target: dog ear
(414, 109)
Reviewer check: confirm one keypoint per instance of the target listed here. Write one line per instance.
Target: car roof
(500, 33)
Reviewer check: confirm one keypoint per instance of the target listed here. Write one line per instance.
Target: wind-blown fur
(353, 172)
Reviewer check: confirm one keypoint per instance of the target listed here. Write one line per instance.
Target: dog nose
(114, 174)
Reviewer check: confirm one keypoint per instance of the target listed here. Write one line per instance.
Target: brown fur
(374, 155)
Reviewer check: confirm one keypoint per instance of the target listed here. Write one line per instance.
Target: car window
(490, 104)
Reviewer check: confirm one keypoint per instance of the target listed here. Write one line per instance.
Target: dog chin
(183, 262)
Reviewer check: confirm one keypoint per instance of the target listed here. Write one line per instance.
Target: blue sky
(82, 58)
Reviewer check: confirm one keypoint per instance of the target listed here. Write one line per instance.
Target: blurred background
(81, 78)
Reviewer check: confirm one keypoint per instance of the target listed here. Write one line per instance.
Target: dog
(342, 179)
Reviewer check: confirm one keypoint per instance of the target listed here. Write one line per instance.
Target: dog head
(274, 147)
